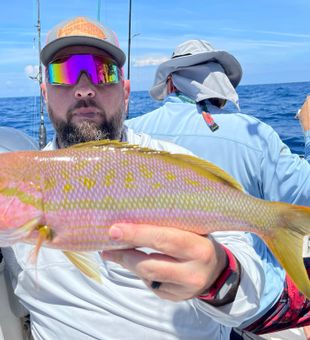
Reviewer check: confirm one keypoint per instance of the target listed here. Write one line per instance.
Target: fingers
(169, 291)
(179, 281)
(150, 267)
(170, 241)
(172, 292)
(186, 266)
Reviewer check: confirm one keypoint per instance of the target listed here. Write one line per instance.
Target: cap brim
(49, 51)
(229, 63)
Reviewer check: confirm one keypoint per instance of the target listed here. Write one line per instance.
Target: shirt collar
(174, 98)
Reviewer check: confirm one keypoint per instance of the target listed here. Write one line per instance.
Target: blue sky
(270, 38)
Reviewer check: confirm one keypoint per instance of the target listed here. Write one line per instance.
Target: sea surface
(275, 104)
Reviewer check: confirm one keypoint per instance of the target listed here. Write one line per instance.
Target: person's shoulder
(170, 147)
(240, 116)
(145, 118)
(171, 111)
(145, 140)
(248, 122)
(251, 119)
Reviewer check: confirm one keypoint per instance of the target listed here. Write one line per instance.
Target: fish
(67, 199)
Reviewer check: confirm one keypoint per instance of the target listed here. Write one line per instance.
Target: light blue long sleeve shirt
(307, 145)
(250, 150)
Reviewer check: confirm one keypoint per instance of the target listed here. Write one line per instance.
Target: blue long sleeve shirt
(250, 150)
(307, 145)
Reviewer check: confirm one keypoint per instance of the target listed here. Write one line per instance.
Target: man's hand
(187, 264)
(304, 115)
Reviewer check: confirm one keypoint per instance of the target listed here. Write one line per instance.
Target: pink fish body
(69, 198)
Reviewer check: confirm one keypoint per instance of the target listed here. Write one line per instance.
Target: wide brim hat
(82, 31)
(194, 52)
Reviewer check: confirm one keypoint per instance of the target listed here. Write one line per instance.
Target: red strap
(231, 267)
(207, 117)
(209, 120)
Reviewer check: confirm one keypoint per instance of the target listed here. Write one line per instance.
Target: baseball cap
(85, 32)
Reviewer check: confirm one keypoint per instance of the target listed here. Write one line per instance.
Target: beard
(69, 133)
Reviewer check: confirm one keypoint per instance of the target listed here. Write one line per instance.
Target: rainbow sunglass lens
(67, 71)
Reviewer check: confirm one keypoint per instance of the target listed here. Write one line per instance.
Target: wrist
(224, 289)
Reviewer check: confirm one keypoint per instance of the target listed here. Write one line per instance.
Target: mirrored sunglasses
(67, 70)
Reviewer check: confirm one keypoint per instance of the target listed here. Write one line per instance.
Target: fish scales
(145, 190)
(89, 190)
(67, 199)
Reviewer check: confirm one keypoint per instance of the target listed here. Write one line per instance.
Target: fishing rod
(129, 33)
(129, 36)
(129, 49)
(98, 10)
(42, 129)
(129, 41)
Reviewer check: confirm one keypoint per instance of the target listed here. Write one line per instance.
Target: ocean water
(275, 104)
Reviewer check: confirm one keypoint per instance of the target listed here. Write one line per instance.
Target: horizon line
(251, 84)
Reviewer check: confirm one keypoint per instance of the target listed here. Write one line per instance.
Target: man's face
(85, 111)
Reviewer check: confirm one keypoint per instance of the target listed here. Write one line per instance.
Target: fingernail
(115, 233)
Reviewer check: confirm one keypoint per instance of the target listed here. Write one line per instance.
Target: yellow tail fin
(286, 243)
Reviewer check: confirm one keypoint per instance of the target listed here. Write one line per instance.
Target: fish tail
(287, 240)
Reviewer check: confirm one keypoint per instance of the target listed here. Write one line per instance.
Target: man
(196, 83)
(191, 287)
(199, 79)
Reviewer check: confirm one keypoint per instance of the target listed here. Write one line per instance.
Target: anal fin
(85, 264)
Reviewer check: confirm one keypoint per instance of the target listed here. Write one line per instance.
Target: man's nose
(84, 88)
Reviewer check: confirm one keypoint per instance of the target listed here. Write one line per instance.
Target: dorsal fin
(100, 143)
(204, 168)
(208, 170)
(115, 144)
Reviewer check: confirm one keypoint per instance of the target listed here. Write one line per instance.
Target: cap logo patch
(80, 26)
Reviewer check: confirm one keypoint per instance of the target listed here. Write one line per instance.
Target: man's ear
(170, 86)
(44, 92)
(126, 86)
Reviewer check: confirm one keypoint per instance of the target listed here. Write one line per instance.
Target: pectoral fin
(46, 234)
(11, 236)
(85, 264)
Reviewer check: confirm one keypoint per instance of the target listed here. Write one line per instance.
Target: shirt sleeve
(307, 145)
(254, 297)
(291, 310)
